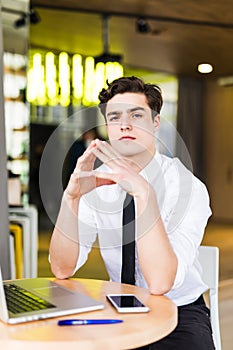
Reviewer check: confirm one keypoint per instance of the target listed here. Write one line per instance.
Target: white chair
(209, 259)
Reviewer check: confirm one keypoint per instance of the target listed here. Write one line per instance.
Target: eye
(114, 118)
(137, 115)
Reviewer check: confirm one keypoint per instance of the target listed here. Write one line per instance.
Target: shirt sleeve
(186, 218)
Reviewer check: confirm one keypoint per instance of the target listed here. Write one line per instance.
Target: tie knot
(127, 200)
(128, 210)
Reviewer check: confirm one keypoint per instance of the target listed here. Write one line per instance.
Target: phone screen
(127, 301)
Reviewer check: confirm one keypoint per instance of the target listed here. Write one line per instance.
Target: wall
(11, 39)
(218, 149)
(4, 235)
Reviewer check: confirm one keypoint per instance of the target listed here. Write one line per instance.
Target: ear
(157, 122)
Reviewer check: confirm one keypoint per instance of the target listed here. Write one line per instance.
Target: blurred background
(57, 56)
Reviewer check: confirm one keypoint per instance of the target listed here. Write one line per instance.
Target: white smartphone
(127, 303)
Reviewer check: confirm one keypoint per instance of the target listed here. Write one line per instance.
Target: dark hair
(132, 84)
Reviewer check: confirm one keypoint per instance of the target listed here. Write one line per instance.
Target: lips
(125, 138)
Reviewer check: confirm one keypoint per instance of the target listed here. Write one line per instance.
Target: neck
(140, 161)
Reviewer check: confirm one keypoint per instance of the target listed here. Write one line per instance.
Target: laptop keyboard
(20, 300)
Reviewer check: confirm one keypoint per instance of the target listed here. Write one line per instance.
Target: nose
(125, 123)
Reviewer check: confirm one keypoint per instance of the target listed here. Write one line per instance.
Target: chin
(128, 150)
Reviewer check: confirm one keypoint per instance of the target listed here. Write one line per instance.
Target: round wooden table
(136, 330)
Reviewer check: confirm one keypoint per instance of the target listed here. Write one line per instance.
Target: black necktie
(128, 241)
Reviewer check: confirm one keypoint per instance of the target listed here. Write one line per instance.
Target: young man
(171, 211)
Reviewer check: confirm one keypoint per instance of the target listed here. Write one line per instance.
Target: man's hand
(124, 171)
(83, 179)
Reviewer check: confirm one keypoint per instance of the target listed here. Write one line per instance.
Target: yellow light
(96, 78)
(89, 81)
(77, 77)
(51, 79)
(118, 71)
(36, 82)
(109, 71)
(64, 79)
(205, 68)
(114, 70)
(99, 81)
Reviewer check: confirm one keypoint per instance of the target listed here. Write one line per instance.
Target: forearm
(157, 258)
(64, 247)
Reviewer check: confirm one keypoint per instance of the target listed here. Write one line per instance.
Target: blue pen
(79, 322)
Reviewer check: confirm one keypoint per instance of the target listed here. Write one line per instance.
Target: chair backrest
(209, 259)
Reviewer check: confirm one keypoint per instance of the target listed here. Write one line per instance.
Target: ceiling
(182, 33)
(14, 40)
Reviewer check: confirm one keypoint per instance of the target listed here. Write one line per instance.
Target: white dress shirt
(184, 208)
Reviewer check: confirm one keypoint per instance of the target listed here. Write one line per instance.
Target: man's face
(130, 126)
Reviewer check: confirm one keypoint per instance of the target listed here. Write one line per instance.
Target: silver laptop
(39, 298)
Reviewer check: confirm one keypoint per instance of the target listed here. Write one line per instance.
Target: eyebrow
(130, 110)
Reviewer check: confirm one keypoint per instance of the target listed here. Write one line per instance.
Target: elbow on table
(163, 282)
(62, 273)
(160, 289)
